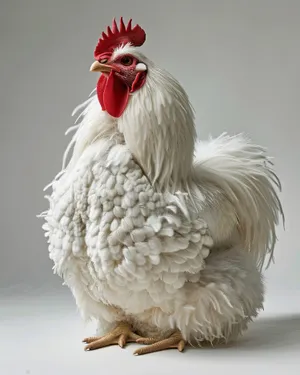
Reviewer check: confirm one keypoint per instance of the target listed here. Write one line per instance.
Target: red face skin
(114, 87)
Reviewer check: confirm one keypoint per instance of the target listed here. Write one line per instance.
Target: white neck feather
(157, 126)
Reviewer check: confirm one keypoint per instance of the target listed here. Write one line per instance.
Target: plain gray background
(239, 62)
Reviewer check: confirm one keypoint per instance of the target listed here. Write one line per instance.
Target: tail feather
(245, 174)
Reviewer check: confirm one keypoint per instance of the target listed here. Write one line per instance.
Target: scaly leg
(119, 335)
(175, 341)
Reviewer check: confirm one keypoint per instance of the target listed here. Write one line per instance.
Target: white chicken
(160, 238)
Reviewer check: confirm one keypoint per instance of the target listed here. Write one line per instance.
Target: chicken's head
(122, 72)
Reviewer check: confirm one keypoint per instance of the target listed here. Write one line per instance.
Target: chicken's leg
(119, 335)
(175, 341)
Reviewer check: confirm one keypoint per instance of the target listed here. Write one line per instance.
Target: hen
(161, 238)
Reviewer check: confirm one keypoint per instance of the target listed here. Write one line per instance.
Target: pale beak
(103, 68)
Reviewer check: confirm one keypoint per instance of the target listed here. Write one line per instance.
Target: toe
(140, 351)
(156, 347)
(175, 341)
(122, 340)
(88, 340)
(146, 340)
(100, 343)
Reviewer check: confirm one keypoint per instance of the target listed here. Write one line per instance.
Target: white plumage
(148, 227)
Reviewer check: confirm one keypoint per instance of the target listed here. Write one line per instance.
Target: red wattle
(138, 82)
(100, 90)
(113, 94)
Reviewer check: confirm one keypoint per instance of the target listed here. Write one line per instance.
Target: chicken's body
(148, 237)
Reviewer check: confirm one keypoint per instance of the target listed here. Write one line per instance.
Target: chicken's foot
(120, 335)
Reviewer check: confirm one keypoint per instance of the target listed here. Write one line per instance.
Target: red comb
(115, 36)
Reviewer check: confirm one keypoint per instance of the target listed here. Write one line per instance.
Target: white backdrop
(238, 60)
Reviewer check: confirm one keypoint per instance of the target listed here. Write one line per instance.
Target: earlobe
(141, 67)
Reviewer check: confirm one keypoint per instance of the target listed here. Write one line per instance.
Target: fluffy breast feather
(113, 235)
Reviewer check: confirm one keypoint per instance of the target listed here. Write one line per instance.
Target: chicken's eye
(126, 60)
